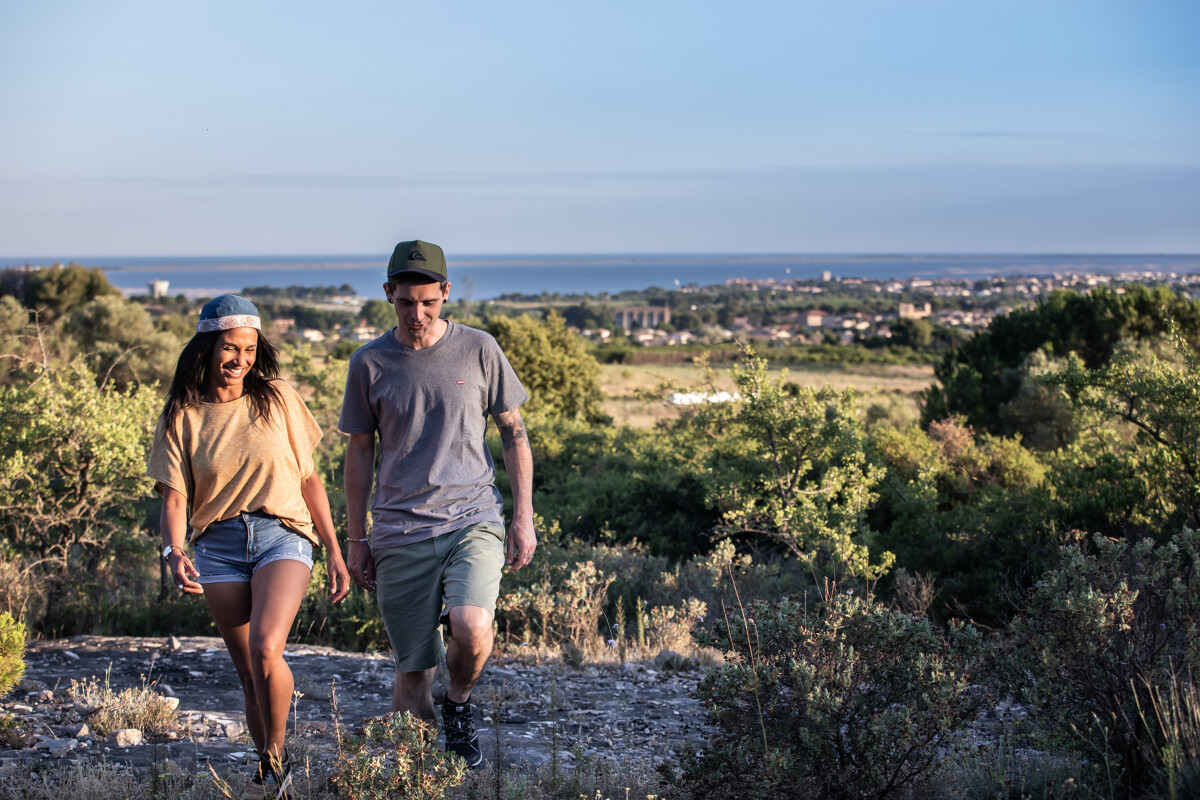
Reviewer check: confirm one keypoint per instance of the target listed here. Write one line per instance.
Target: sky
(847, 126)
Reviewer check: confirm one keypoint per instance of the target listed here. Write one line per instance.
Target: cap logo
(416, 256)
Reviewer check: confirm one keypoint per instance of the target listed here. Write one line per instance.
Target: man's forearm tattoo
(512, 432)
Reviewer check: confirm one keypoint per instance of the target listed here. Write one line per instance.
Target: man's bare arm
(518, 460)
(360, 474)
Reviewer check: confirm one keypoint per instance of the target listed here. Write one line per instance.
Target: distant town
(829, 311)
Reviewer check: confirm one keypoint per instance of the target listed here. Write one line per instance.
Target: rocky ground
(529, 706)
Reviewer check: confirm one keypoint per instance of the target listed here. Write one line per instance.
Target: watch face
(167, 551)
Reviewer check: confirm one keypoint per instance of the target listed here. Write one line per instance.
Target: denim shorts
(232, 550)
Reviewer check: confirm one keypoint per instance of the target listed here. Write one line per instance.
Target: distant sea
(483, 277)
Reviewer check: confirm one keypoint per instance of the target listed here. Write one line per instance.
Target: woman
(233, 449)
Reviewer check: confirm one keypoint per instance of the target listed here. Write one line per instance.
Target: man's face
(418, 309)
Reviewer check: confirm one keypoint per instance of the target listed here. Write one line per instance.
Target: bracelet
(348, 539)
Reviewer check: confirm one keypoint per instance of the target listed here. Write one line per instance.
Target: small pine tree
(12, 652)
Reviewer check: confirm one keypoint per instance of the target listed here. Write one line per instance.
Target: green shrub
(12, 652)
(853, 702)
(396, 755)
(1100, 637)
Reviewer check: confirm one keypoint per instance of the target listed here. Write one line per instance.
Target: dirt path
(628, 712)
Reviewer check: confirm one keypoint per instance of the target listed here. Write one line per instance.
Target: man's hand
(362, 565)
(519, 545)
(518, 460)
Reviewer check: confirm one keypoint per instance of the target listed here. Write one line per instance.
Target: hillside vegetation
(869, 571)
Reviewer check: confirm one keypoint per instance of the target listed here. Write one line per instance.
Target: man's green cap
(420, 257)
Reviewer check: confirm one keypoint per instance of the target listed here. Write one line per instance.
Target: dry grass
(108, 711)
(621, 385)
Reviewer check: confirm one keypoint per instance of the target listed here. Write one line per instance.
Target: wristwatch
(167, 551)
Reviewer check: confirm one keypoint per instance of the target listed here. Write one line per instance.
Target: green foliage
(396, 756)
(72, 464)
(554, 366)
(975, 515)
(1100, 633)
(121, 343)
(55, 291)
(984, 373)
(619, 484)
(1159, 397)
(790, 466)
(379, 313)
(12, 652)
(854, 702)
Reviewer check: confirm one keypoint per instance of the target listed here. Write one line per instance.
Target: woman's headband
(226, 312)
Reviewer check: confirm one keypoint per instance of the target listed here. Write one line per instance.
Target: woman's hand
(339, 576)
(183, 573)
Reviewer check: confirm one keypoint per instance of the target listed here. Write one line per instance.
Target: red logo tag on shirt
(460, 383)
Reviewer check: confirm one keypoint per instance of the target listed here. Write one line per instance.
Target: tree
(379, 314)
(562, 378)
(985, 372)
(59, 290)
(1158, 397)
(121, 343)
(790, 466)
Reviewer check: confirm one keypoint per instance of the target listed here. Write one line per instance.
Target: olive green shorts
(417, 584)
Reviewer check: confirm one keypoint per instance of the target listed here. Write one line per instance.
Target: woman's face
(232, 359)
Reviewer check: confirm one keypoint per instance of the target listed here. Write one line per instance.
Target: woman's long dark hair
(191, 375)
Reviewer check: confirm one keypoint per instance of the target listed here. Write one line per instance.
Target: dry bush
(108, 711)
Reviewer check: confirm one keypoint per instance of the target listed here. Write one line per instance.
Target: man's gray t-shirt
(430, 407)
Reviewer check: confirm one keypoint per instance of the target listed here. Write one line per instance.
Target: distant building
(912, 311)
(159, 288)
(641, 316)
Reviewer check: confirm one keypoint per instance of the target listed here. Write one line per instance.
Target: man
(437, 543)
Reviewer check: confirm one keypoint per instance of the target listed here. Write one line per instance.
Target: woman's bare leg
(230, 606)
(278, 589)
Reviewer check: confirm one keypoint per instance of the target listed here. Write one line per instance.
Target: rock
(165, 690)
(45, 696)
(28, 686)
(233, 729)
(171, 703)
(173, 644)
(24, 709)
(126, 737)
(57, 748)
(70, 655)
(669, 660)
(81, 731)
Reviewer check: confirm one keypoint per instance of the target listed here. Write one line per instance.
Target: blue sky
(149, 128)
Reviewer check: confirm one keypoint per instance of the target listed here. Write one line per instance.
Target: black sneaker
(459, 725)
(272, 779)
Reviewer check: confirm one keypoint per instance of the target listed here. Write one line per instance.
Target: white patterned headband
(226, 312)
(232, 321)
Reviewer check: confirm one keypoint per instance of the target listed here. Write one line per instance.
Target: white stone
(70, 655)
(171, 703)
(233, 729)
(126, 737)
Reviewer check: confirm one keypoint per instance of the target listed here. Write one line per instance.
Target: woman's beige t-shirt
(226, 463)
